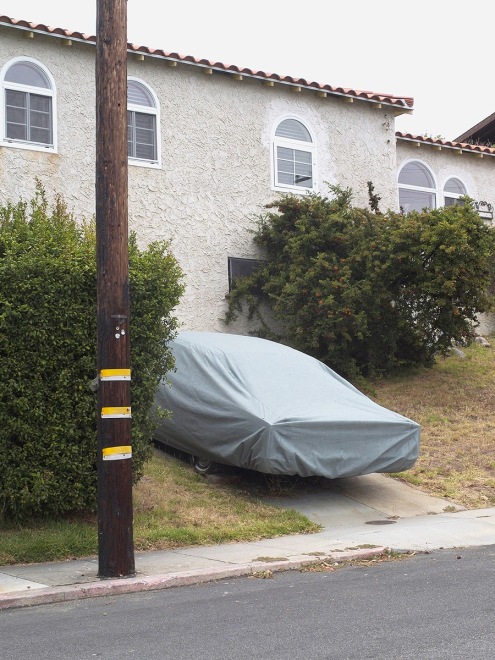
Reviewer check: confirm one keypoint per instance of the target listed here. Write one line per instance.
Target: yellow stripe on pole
(117, 453)
(116, 412)
(115, 374)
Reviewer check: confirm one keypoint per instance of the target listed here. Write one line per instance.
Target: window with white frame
(142, 123)
(417, 188)
(28, 105)
(453, 191)
(293, 157)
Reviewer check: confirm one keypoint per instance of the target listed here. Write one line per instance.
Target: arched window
(417, 188)
(293, 157)
(28, 105)
(453, 190)
(142, 123)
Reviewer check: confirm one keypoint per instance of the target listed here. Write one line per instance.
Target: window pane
(294, 130)
(145, 121)
(131, 140)
(29, 117)
(285, 166)
(415, 200)
(41, 135)
(285, 160)
(144, 137)
(294, 167)
(16, 115)
(16, 99)
(303, 172)
(16, 111)
(141, 135)
(28, 73)
(145, 151)
(303, 156)
(455, 186)
(303, 169)
(40, 118)
(286, 178)
(304, 181)
(304, 175)
(283, 152)
(453, 201)
(241, 268)
(16, 131)
(416, 174)
(137, 94)
(41, 103)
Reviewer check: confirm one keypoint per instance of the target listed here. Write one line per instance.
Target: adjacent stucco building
(209, 146)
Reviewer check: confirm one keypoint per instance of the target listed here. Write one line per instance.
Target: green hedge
(367, 292)
(48, 355)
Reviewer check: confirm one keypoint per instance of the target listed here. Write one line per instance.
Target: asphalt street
(431, 606)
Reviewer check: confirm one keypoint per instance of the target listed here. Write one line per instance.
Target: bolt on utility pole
(115, 525)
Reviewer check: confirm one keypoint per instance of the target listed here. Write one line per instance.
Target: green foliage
(367, 292)
(48, 355)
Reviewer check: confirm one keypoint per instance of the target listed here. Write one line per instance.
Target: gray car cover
(257, 404)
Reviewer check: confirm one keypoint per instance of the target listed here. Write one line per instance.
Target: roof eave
(399, 105)
(458, 147)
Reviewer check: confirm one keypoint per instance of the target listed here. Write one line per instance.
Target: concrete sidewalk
(360, 517)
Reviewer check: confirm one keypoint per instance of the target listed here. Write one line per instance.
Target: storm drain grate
(380, 522)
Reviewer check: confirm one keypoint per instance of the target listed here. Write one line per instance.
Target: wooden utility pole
(115, 527)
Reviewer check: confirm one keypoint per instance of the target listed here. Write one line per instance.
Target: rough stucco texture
(215, 175)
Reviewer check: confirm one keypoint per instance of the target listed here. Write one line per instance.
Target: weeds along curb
(118, 586)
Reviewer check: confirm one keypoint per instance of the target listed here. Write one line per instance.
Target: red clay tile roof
(373, 97)
(448, 144)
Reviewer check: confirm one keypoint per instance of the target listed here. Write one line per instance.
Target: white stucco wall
(215, 144)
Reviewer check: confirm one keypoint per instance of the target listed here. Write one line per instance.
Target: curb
(118, 586)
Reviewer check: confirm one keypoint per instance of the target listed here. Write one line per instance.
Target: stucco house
(209, 146)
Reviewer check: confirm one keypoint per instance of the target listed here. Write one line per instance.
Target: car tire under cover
(204, 466)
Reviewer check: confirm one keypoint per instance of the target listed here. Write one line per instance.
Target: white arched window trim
(51, 92)
(420, 192)
(298, 145)
(147, 110)
(450, 197)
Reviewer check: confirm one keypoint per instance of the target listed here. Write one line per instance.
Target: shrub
(48, 355)
(367, 292)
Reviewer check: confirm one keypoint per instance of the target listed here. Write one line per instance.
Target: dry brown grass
(455, 404)
(173, 507)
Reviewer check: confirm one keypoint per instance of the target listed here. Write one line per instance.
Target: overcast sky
(437, 51)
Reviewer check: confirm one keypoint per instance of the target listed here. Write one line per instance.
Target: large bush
(48, 355)
(367, 292)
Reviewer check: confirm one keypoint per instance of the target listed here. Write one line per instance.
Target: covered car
(257, 404)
